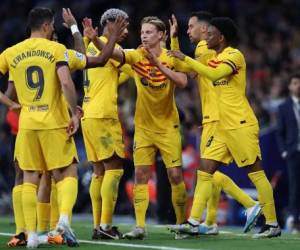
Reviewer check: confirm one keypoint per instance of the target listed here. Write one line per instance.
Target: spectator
(289, 144)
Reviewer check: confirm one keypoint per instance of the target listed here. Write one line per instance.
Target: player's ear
(222, 38)
(44, 27)
(161, 35)
(204, 28)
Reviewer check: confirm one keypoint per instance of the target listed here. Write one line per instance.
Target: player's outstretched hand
(173, 26)
(68, 17)
(177, 54)
(88, 30)
(73, 125)
(117, 28)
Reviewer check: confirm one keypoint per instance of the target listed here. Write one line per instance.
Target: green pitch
(160, 238)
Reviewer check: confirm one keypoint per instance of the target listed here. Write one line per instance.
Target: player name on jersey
(31, 53)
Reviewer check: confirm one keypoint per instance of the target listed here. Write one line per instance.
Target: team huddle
(42, 89)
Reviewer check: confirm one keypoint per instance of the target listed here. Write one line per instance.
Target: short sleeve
(133, 56)
(235, 60)
(77, 60)
(61, 55)
(126, 68)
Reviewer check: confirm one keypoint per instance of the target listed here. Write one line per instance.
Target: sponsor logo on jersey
(221, 82)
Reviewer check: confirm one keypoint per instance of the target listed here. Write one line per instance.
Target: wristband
(74, 28)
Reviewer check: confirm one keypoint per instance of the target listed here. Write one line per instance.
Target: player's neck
(203, 37)
(156, 49)
(37, 34)
(220, 48)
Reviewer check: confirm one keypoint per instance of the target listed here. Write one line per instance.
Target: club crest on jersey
(153, 72)
(144, 81)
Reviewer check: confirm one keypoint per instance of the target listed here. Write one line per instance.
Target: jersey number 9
(35, 80)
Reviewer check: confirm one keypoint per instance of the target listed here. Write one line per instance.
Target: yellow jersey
(209, 102)
(126, 73)
(77, 60)
(155, 105)
(101, 87)
(32, 65)
(207, 93)
(227, 71)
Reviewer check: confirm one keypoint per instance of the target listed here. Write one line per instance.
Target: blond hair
(159, 24)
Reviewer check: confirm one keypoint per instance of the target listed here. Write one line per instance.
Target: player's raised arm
(115, 31)
(180, 79)
(174, 33)
(69, 92)
(213, 74)
(70, 23)
(91, 33)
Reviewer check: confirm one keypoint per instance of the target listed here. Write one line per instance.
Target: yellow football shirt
(227, 74)
(210, 111)
(155, 105)
(100, 87)
(77, 60)
(32, 65)
(126, 73)
(207, 93)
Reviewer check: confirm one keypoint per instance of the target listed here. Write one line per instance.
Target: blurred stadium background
(270, 40)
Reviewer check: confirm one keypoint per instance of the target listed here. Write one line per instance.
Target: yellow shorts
(240, 145)
(146, 144)
(41, 150)
(212, 144)
(102, 138)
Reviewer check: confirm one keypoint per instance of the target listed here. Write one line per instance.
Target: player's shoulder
(164, 55)
(202, 44)
(17, 46)
(92, 50)
(105, 40)
(138, 51)
(56, 45)
(233, 51)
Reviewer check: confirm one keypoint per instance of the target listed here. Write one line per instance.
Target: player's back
(33, 64)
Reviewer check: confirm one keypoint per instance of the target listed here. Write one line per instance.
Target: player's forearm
(5, 100)
(211, 73)
(182, 66)
(117, 54)
(69, 92)
(105, 54)
(11, 91)
(178, 78)
(175, 43)
(78, 42)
